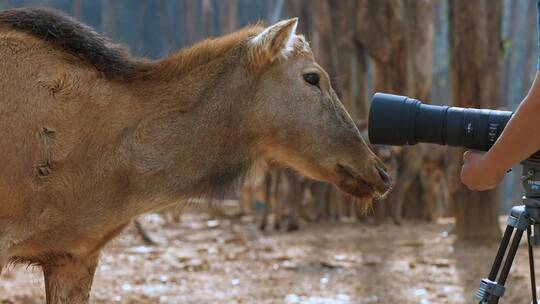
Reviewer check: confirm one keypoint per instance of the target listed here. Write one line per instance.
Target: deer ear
(273, 42)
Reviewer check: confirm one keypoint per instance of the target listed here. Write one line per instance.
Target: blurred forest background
(479, 53)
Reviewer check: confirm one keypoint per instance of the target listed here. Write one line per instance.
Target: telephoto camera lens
(400, 120)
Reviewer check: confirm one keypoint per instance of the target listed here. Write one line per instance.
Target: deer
(278, 188)
(287, 196)
(91, 136)
(424, 164)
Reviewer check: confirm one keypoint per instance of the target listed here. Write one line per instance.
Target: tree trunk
(529, 68)
(418, 44)
(324, 46)
(379, 32)
(359, 82)
(76, 8)
(379, 29)
(343, 39)
(141, 18)
(165, 24)
(507, 69)
(275, 7)
(227, 16)
(475, 27)
(303, 10)
(207, 11)
(419, 47)
(192, 20)
(398, 37)
(108, 24)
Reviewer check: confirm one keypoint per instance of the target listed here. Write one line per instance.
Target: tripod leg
(531, 265)
(491, 290)
(510, 257)
(500, 253)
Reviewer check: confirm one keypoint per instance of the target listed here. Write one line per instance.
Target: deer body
(91, 137)
(89, 162)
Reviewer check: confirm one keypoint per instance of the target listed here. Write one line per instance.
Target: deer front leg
(267, 200)
(70, 282)
(276, 200)
(293, 202)
(246, 199)
(147, 240)
(404, 185)
(3, 261)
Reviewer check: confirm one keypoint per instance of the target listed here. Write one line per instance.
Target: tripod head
(530, 178)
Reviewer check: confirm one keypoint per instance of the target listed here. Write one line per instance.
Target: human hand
(477, 173)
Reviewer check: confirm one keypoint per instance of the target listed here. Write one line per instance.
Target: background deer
(91, 137)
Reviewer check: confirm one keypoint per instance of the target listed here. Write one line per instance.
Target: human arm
(519, 140)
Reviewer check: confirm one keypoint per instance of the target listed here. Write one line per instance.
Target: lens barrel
(399, 120)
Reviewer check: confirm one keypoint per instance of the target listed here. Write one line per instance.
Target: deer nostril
(387, 180)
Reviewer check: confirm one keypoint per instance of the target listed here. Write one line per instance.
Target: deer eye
(312, 79)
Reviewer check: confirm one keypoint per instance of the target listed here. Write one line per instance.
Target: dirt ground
(201, 260)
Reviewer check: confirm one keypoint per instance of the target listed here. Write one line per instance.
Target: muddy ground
(201, 260)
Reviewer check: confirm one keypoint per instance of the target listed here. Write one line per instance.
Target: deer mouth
(354, 184)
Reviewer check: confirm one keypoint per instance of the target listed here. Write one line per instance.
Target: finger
(465, 182)
(490, 187)
(467, 155)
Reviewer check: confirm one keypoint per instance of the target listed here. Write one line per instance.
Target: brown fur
(88, 143)
(74, 37)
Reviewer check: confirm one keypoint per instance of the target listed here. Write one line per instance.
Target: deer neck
(190, 140)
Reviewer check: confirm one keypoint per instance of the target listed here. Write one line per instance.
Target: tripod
(524, 218)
